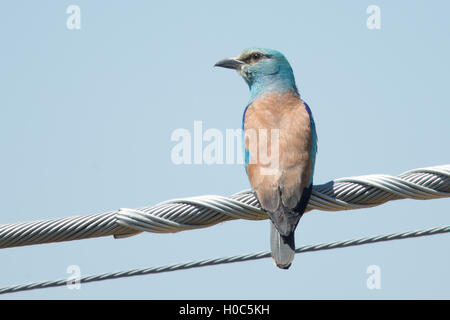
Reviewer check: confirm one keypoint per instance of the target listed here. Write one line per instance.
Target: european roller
(278, 122)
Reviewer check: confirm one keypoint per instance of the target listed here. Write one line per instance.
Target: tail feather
(282, 247)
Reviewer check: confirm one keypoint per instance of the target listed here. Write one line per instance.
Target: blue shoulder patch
(308, 110)
(245, 151)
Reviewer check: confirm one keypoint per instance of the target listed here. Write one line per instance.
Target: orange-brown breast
(283, 117)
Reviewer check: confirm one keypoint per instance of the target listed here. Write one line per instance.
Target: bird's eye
(256, 56)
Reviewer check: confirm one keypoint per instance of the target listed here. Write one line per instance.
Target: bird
(277, 121)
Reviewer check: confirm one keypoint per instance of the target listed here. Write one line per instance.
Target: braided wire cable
(226, 260)
(204, 211)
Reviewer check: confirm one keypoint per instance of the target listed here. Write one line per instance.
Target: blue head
(264, 70)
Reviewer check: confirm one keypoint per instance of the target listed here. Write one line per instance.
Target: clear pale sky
(86, 118)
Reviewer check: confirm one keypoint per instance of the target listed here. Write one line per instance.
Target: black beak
(230, 63)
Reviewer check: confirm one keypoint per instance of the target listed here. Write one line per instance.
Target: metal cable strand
(225, 260)
(64, 229)
(341, 194)
(204, 211)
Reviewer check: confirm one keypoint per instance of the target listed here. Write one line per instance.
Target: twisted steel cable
(225, 260)
(203, 211)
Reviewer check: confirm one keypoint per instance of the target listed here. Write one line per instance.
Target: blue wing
(314, 143)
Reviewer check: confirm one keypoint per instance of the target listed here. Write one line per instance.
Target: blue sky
(86, 118)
